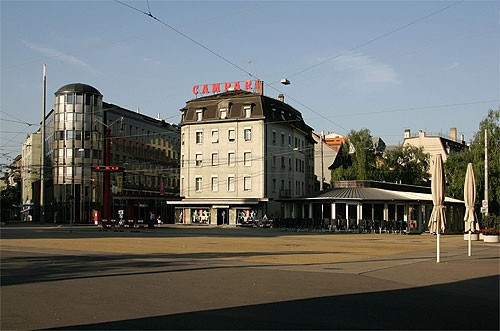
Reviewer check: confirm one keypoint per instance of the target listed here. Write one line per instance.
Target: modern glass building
(83, 133)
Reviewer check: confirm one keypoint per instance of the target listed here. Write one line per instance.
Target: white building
(240, 153)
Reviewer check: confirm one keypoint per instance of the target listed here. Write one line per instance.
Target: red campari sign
(227, 86)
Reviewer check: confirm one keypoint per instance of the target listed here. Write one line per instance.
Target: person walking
(152, 220)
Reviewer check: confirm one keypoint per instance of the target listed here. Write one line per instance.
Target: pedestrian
(158, 219)
(152, 219)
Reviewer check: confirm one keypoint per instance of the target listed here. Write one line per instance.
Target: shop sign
(226, 86)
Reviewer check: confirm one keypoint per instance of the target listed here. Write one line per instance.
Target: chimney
(462, 139)
(281, 97)
(259, 86)
(407, 133)
(421, 133)
(453, 134)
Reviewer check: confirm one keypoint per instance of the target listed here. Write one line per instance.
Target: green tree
(406, 165)
(456, 165)
(8, 197)
(362, 153)
(343, 167)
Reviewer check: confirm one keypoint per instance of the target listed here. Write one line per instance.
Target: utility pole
(322, 138)
(486, 171)
(42, 157)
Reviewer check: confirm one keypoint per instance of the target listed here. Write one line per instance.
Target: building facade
(30, 174)
(436, 143)
(241, 152)
(86, 140)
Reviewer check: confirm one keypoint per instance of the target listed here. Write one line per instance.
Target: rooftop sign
(227, 86)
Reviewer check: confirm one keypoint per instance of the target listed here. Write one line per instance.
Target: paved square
(239, 278)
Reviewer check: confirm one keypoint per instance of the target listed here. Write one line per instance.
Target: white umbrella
(437, 222)
(471, 224)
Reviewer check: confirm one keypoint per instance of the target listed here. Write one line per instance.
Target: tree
(8, 198)
(359, 160)
(406, 165)
(456, 165)
(357, 157)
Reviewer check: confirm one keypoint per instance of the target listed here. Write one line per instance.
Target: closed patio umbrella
(471, 224)
(437, 221)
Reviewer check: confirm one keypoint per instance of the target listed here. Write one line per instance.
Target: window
(223, 113)
(247, 183)
(282, 138)
(283, 162)
(247, 133)
(247, 159)
(215, 184)
(182, 161)
(289, 141)
(215, 159)
(182, 138)
(274, 161)
(231, 135)
(231, 159)
(230, 183)
(289, 164)
(199, 159)
(274, 137)
(199, 137)
(215, 136)
(198, 183)
(274, 185)
(199, 114)
(248, 111)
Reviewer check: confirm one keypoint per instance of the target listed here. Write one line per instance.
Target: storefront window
(246, 217)
(200, 216)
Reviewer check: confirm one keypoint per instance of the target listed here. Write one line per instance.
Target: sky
(382, 65)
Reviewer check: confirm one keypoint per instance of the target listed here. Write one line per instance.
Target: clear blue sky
(381, 65)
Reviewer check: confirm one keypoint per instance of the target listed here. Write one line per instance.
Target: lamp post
(42, 153)
(82, 176)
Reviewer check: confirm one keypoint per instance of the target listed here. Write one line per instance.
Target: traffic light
(107, 168)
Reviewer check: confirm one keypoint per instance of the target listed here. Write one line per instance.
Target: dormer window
(199, 114)
(223, 113)
(248, 111)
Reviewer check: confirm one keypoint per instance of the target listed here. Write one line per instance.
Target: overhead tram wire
(221, 57)
(417, 108)
(189, 38)
(297, 73)
(372, 40)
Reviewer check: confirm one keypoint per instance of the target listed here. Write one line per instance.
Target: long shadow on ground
(461, 305)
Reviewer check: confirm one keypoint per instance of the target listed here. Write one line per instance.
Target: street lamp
(82, 176)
